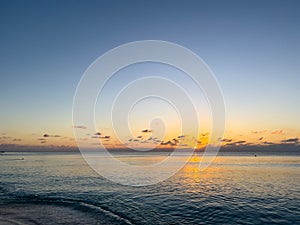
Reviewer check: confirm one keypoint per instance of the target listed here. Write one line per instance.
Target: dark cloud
(249, 144)
(97, 135)
(175, 140)
(240, 142)
(51, 135)
(139, 136)
(105, 137)
(290, 140)
(268, 143)
(146, 131)
(168, 143)
(236, 143)
(226, 140)
(260, 138)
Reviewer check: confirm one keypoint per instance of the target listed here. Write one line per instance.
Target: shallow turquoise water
(60, 188)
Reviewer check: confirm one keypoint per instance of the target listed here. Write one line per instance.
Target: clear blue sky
(253, 47)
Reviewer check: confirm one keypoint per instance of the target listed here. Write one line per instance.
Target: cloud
(97, 133)
(146, 131)
(5, 137)
(80, 127)
(240, 142)
(136, 140)
(41, 139)
(236, 143)
(290, 140)
(260, 138)
(17, 139)
(105, 137)
(50, 135)
(168, 143)
(175, 140)
(277, 132)
(259, 131)
(226, 140)
(102, 137)
(268, 143)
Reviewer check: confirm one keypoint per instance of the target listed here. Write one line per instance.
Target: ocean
(60, 188)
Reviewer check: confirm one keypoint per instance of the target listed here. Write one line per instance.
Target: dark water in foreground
(60, 188)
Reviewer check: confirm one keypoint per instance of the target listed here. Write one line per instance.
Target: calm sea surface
(60, 188)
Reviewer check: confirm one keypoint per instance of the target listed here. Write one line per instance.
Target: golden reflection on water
(247, 174)
(191, 171)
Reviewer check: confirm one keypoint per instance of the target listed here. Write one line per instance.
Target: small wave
(4, 221)
(75, 204)
(16, 159)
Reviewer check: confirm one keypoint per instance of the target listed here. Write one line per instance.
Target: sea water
(60, 188)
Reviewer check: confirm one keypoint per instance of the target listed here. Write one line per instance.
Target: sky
(253, 48)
